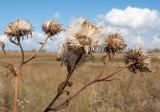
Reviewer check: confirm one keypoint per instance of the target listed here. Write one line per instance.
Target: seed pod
(114, 44)
(141, 61)
(51, 28)
(82, 34)
(18, 28)
(71, 59)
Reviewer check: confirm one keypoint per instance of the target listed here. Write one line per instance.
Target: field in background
(131, 93)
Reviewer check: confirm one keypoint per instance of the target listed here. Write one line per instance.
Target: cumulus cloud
(133, 17)
(138, 25)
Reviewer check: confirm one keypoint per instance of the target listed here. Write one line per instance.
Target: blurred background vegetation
(132, 93)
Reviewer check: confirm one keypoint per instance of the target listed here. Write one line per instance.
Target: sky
(137, 20)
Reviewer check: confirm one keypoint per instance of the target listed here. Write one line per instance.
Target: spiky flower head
(51, 28)
(82, 34)
(18, 28)
(114, 44)
(141, 61)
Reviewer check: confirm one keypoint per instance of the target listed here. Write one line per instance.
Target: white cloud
(133, 17)
(137, 25)
(3, 38)
(34, 42)
(56, 15)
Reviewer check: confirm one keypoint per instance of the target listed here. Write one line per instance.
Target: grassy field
(132, 93)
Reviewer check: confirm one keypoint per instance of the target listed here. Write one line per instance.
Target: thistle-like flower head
(141, 61)
(82, 34)
(51, 28)
(72, 59)
(114, 43)
(18, 28)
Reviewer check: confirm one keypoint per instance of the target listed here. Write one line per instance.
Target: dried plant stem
(22, 61)
(97, 80)
(35, 53)
(105, 59)
(10, 66)
(64, 104)
(48, 108)
(18, 72)
(63, 86)
(115, 73)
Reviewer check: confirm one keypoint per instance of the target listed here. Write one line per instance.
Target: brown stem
(22, 51)
(4, 51)
(80, 90)
(18, 72)
(105, 59)
(114, 73)
(15, 94)
(97, 80)
(48, 108)
(14, 72)
(65, 103)
(35, 53)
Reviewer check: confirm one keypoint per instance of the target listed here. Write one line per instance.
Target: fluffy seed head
(141, 61)
(51, 27)
(82, 34)
(72, 59)
(114, 43)
(18, 28)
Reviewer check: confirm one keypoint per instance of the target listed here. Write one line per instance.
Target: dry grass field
(138, 92)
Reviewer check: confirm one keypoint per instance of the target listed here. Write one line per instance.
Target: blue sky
(38, 11)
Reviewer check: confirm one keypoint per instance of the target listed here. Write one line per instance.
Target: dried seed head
(114, 44)
(51, 27)
(18, 28)
(74, 48)
(82, 34)
(2, 45)
(141, 61)
(71, 58)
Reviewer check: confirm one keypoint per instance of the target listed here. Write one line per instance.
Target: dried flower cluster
(51, 28)
(82, 34)
(18, 28)
(16, 31)
(141, 61)
(82, 37)
(114, 44)
(80, 40)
